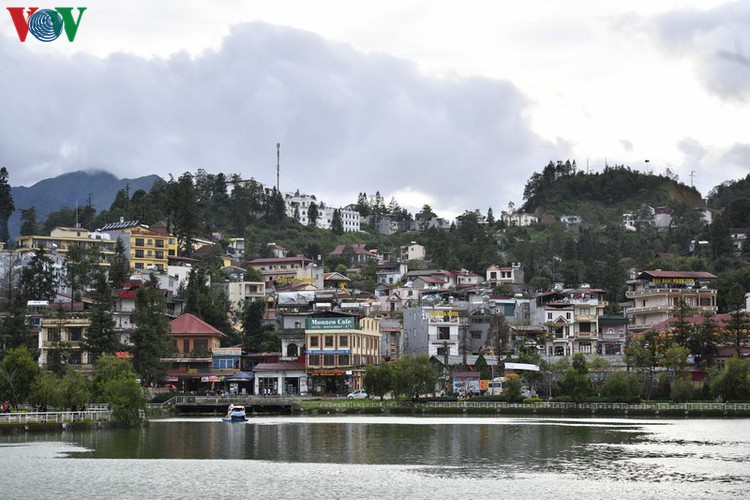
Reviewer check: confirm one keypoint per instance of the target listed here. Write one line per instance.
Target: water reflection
(604, 458)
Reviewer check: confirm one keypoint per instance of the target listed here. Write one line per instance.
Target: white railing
(593, 406)
(55, 416)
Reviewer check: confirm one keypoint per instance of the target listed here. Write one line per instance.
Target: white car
(360, 394)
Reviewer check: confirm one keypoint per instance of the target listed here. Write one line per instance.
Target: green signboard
(336, 323)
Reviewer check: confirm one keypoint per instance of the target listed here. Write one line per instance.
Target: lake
(385, 457)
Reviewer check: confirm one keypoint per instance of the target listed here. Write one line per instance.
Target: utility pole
(692, 178)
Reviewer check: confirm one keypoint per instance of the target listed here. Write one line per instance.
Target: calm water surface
(385, 457)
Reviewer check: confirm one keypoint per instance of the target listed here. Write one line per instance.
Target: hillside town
(293, 324)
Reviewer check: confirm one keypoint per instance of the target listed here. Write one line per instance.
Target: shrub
(682, 390)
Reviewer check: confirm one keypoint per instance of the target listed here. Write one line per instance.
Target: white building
(431, 330)
(297, 205)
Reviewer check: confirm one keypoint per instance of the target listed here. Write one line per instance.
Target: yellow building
(64, 335)
(339, 347)
(146, 248)
(62, 238)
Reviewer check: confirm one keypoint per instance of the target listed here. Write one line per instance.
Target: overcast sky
(449, 103)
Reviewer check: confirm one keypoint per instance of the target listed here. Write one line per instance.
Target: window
(200, 345)
(139, 254)
(558, 332)
(313, 359)
(76, 334)
(329, 360)
(567, 315)
(74, 358)
(139, 242)
(159, 255)
(549, 315)
(314, 341)
(584, 327)
(584, 347)
(344, 341)
(343, 359)
(53, 335)
(159, 243)
(585, 311)
(442, 351)
(185, 346)
(476, 335)
(328, 340)
(444, 333)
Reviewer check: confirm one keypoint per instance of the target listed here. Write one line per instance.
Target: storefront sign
(326, 372)
(332, 351)
(227, 351)
(340, 323)
(211, 378)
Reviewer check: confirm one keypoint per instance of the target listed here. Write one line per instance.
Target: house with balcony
(193, 341)
(61, 239)
(572, 318)
(280, 272)
(508, 275)
(390, 272)
(239, 291)
(146, 248)
(518, 219)
(412, 251)
(61, 336)
(433, 330)
(339, 348)
(655, 295)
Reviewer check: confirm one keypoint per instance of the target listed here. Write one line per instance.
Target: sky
(433, 102)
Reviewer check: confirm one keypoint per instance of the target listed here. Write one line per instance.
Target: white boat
(236, 414)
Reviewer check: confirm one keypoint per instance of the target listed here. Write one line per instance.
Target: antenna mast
(278, 156)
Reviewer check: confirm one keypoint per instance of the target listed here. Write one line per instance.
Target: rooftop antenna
(278, 156)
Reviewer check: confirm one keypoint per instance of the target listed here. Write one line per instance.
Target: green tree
(6, 204)
(622, 386)
(681, 390)
(28, 222)
(183, 208)
(74, 390)
(512, 389)
(732, 383)
(151, 339)
(337, 225)
(414, 375)
(46, 390)
(738, 324)
(80, 265)
(675, 359)
(17, 373)
(682, 328)
(253, 313)
(119, 269)
(576, 381)
(705, 340)
(378, 379)
(480, 365)
(114, 382)
(101, 337)
(312, 214)
(39, 279)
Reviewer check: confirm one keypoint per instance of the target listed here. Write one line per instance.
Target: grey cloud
(718, 41)
(347, 121)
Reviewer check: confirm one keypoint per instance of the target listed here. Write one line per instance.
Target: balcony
(664, 291)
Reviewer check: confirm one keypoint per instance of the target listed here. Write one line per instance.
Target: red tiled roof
(189, 324)
(678, 274)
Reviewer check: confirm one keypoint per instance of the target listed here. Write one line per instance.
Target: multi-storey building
(572, 317)
(146, 248)
(434, 331)
(62, 336)
(656, 294)
(289, 270)
(339, 347)
(297, 205)
(237, 291)
(61, 239)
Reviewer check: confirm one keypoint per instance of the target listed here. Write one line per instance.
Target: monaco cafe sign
(332, 323)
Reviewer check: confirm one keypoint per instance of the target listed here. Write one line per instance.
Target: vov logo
(45, 24)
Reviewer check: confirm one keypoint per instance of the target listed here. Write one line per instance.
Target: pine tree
(183, 208)
(337, 226)
(119, 269)
(151, 339)
(101, 337)
(28, 222)
(6, 204)
(312, 215)
(39, 279)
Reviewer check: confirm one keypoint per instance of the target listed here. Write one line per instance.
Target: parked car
(360, 394)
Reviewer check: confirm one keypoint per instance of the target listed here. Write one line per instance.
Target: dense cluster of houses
(330, 332)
